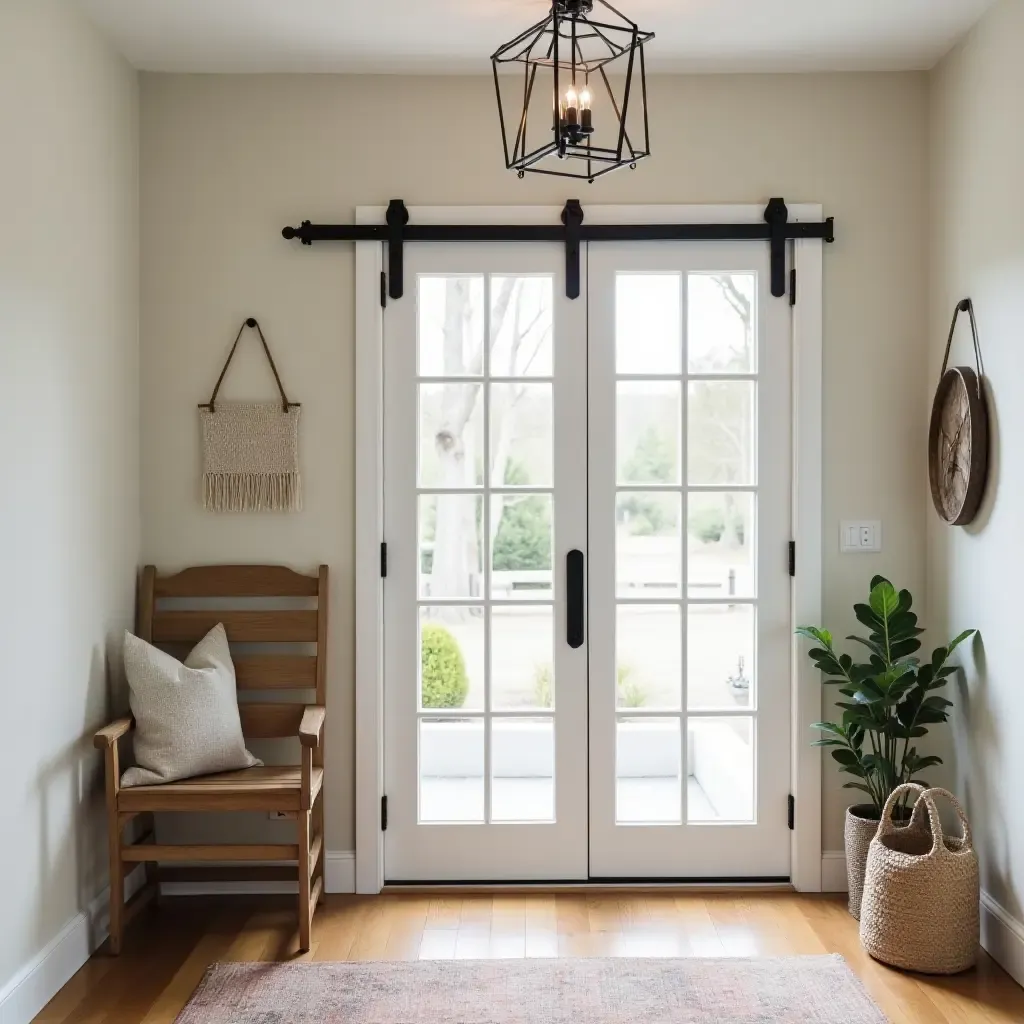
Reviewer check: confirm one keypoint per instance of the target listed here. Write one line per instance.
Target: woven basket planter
(921, 892)
(859, 831)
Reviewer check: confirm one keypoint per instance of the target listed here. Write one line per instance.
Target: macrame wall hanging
(251, 449)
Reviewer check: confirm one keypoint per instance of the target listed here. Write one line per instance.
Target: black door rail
(777, 229)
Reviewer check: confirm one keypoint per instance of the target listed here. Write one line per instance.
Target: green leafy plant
(631, 693)
(710, 523)
(542, 680)
(653, 461)
(653, 458)
(523, 538)
(890, 698)
(443, 679)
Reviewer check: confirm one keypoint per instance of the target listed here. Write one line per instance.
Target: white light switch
(861, 537)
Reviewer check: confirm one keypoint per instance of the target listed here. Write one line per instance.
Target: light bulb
(586, 120)
(572, 107)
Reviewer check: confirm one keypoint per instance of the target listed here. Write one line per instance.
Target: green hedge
(443, 680)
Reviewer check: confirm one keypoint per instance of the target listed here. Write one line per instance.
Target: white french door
(641, 431)
(689, 511)
(485, 496)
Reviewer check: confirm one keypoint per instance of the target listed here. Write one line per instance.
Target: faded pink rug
(793, 990)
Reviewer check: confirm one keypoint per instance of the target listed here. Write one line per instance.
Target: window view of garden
(719, 526)
(486, 511)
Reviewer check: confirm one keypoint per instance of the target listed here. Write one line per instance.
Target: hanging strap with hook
(253, 323)
(964, 306)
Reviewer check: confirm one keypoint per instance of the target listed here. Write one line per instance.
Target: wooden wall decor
(958, 433)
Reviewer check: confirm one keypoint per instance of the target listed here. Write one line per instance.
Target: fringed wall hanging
(251, 449)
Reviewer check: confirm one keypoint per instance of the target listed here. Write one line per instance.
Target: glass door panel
(689, 369)
(485, 754)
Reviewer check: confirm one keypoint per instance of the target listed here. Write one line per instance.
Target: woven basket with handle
(921, 892)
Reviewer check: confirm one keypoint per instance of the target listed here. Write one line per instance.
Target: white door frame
(807, 505)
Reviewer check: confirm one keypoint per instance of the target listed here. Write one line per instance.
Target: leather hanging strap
(250, 322)
(964, 306)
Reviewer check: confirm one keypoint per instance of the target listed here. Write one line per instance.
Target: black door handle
(574, 603)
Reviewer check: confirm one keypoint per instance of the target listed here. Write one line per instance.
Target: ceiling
(456, 36)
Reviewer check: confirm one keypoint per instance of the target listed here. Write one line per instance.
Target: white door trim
(369, 725)
(807, 506)
(806, 593)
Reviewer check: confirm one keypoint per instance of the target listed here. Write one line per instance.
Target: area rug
(793, 990)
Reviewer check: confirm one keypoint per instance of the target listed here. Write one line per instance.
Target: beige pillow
(186, 715)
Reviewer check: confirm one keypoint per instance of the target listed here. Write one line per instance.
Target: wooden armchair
(295, 789)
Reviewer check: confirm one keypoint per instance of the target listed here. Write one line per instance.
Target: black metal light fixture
(576, 112)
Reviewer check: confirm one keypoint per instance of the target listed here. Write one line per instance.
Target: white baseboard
(339, 877)
(833, 871)
(1002, 937)
(38, 981)
(340, 871)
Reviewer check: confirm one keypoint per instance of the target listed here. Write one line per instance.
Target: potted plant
(891, 700)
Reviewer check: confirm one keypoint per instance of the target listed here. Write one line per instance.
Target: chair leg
(116, 888)
(111, 772)
(318, 830)
(304, 871)
(152, 869)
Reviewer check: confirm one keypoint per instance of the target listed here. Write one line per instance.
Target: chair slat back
(276, 672)
(270, 721)
(236, 581)
(266, 627)
(243, 627)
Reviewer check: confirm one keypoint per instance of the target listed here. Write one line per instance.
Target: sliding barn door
(689, 506)
(485, 470)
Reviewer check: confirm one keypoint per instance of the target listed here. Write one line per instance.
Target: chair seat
(267, 788)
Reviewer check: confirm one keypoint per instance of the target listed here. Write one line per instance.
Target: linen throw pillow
(186, 715)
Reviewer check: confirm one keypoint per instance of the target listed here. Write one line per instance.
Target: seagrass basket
(858, 833)
(920, 909)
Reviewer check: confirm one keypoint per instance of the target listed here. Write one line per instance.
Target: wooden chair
(296, 789)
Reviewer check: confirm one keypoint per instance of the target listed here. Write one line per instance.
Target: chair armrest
(311, 729)
(110, 734)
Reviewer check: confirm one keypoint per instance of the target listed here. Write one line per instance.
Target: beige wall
(69, 459)
(227, 161)
(977, 250)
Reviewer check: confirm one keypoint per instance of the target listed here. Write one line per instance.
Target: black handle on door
(574, 604)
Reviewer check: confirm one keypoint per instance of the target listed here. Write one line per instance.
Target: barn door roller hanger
(777, 229)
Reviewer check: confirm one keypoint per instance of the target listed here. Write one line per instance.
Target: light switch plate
(860, 536)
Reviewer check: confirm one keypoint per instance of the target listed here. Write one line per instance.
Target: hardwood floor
(167, 950)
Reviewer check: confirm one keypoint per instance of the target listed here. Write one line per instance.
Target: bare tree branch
(739, 302)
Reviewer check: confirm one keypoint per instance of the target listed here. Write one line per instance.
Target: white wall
(69, 453)
(977, 250)
(228, 160)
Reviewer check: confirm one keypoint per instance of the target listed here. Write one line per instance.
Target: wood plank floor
(169, 947)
